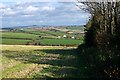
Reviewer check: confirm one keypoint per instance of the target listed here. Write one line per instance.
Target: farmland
(45, 36)
(14, 41)
(23, 61)
(41, 53)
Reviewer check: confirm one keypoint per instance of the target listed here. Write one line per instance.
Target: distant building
(64, 36)
(73, 37)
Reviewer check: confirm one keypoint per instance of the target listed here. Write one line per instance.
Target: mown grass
(14, 41)
(40, 63)
(61, 42)
(19, 35)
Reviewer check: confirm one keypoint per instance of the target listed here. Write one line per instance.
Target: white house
(64, 36)
(73, 37)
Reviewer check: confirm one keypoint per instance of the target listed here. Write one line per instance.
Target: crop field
(61, 41)
(18, 35)
(25, 61)
(14, 41)
(42, 36)
(40, 53)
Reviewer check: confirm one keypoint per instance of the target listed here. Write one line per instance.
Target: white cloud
(31, 9)
(2, 6)
(8, 11)
(41, 21)
(47, 8)
(19, 7)
(11, 13)
(19, 10)
(27, 15)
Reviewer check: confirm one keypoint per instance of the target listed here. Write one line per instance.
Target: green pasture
(61, 41)
(19, 35)
(14, 41)
(39, 36)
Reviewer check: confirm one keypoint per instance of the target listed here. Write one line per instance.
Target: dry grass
(23, 61)
(30, 47)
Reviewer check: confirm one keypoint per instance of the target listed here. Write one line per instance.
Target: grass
(60, 42)
(21, 61)
(19, 35)
(36, 36)
(55, 33)
(75, 28)
(30, 47)
(53, 41)
(14, 41)
(43, 32)
(37, 62)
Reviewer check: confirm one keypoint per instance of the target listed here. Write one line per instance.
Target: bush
(100, 63)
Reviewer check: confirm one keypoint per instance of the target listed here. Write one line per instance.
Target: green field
(14, 41)
(61, 41)
(18, 35)
(39, 62)
(41, 36)
(76, 28)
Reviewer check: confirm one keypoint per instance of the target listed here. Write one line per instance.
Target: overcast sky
(15, 13)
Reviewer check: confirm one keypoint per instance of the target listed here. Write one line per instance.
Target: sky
(45, 12)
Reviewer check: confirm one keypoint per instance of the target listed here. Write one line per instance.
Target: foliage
(104, 25)
(102, 37)
(99, 63)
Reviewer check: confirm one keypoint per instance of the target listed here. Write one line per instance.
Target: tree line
(103, 32)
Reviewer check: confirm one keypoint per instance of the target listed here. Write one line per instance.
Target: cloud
(41, 21)
(31, 9)
(47, 8)
(27, 15)
(19, 7)
(2, 6)
(43, 14)
(25, 10)
(8, 11)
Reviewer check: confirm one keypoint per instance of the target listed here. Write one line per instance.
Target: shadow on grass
(62, 62)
